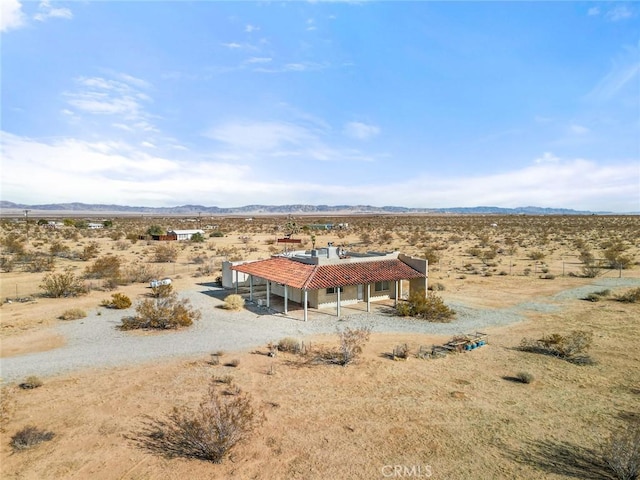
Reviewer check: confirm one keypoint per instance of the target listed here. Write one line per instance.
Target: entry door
(360, 292)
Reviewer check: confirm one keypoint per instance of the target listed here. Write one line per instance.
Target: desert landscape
(527, 405)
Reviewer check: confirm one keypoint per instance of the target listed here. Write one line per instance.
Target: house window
(332, 290)
(381, 286)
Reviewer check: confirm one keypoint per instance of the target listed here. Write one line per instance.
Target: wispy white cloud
(593, 11)
(251, 28)
(547, 157)
(47, 11)
(11, 15)
(624, 71)
(259, 60)
(578, 129)
(106, 96)
(619, 12)
(232, 45)
(261, 136)
(306, 140)
(361, 131)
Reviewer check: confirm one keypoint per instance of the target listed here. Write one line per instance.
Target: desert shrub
(90, 251)
(73, 314)
(547, 276)
(232, 363)
(6, 264)
(121, 245)
(630, 296)
(104, 267)
(119, 301)
(197, 238)
(234, 302)
(622, 453)
(615, 257)
(140, 273)
(30, 383)
(14, 243)
(40, 263)
(207, 269)
(591, 270)
(30, 437)
(431, 307)
(524, 377)
(437, 287)
(401, 351)
(165, 252)
(536, 255)
(58, 249)
(352, 341)
(208, 432)
(592, 297)
(57, 285)
(216, 234)
(7, 408)
(288, 344)
(571, 347)
(161, 313)
(162, 291)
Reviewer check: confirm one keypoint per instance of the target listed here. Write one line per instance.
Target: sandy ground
(457, 417)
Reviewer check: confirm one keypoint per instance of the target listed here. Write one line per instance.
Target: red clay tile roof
(312, 277)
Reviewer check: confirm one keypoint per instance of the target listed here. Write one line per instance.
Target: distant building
(94, 226)
(182, 234)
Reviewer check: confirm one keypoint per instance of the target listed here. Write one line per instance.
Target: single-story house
(183, 234)
(330, 277)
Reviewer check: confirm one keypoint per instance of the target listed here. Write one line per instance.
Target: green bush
(431, 307)
(161, 313)
(119, 301)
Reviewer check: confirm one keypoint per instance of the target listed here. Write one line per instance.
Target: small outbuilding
(183, 234)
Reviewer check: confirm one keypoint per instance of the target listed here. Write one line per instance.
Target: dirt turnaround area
(457, 417)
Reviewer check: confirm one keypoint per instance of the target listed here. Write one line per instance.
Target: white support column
(305, 304)
(338, 302)
(286, 299)
(368, 297)
(395, 302)
(251, 288)
(400, 281)
(236, 272)
(268, 294)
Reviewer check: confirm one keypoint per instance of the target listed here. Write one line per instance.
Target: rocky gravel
(96, 342)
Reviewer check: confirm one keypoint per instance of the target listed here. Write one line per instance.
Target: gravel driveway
(96, 342)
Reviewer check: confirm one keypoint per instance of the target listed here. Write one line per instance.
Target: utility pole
(26, 221)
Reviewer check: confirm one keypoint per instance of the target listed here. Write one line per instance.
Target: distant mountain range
(79, 208)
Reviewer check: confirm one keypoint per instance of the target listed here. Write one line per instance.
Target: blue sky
(419, 104)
